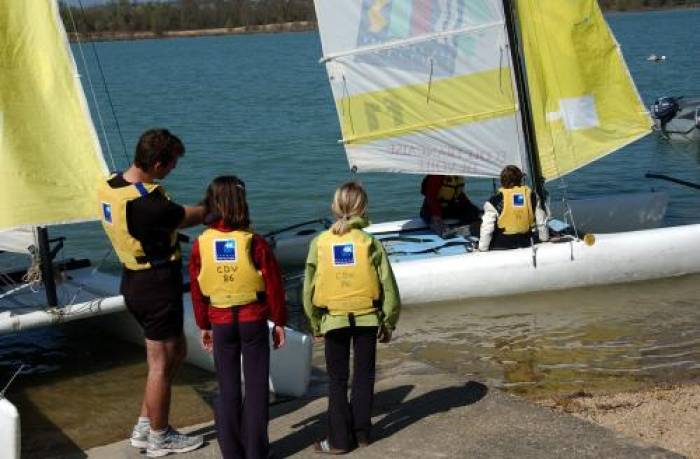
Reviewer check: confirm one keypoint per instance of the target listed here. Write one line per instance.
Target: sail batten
(410, 41)
(50, 157)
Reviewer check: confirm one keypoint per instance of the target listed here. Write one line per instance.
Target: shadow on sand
(396, 412)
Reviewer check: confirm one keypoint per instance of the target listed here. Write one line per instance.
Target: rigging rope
(92, 89)
(33, 275)
(81, 286)
(105, 86)
(563, 184)
(7, 386)
(14, 290)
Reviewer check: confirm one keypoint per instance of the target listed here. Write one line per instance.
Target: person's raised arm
(194, 215)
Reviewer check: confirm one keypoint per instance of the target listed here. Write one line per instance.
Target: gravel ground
(665, 416)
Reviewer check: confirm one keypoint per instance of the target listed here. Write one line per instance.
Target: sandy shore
(299, 26)
(665, 416)
(421, 413)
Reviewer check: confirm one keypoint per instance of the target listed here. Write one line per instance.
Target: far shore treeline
(128, 18)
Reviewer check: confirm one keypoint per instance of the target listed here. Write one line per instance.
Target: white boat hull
(613, 258)
(9, 430)
(290, 366)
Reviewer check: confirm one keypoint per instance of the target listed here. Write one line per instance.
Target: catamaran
(466, 87)
(51, 161)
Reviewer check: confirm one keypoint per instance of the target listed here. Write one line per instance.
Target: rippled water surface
(603, 339)
(259, 106)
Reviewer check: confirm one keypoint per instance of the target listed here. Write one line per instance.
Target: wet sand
(668, 417)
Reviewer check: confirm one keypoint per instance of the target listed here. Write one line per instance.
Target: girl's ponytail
(349, 201)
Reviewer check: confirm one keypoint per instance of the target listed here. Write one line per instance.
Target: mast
(46, 258)
(524, 102)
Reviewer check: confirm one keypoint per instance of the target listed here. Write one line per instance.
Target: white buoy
(656, 59)
(9, 430)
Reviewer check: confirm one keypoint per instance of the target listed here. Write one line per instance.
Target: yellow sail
(50, 158)
(584, 102)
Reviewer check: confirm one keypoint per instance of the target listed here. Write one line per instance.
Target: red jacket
(431, 191)
(272, 307)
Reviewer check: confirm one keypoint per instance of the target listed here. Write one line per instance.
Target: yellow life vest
(227, 275)
(346, 281)
(113, 202)
(452, 186)
(517, 216)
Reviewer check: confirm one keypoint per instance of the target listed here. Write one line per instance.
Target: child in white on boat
(510, 215)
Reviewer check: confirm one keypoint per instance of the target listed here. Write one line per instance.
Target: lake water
(259, 106)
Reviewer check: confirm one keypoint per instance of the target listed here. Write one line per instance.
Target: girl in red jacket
(236, 288)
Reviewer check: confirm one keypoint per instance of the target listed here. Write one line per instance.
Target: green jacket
(388, 305)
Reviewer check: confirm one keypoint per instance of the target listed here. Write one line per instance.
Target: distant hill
(159, 16)
(87, 3)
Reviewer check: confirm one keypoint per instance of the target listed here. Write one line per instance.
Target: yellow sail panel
(584, 102)
(50, 158)
(427, 106)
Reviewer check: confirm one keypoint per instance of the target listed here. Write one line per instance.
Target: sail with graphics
(427, 86)
(466, 87)
(422, 86)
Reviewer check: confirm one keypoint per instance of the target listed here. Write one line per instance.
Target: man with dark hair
(141, 222)
(511, 214)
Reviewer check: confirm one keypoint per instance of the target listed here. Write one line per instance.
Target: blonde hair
(349, 201)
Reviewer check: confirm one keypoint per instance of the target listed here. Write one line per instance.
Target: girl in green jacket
(350, 296)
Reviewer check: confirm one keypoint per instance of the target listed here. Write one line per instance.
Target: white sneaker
(139, 436)
(172, 441)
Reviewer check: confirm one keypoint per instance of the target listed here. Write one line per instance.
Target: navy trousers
(348, 421)
(241, 422)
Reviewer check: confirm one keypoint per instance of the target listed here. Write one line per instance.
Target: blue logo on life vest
(107, 212)
(344, 254)
(225, 250)
(518, 200)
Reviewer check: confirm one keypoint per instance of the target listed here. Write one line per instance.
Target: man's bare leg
(164, 357)
(181, 353)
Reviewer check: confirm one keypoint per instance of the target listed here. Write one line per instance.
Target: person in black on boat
(510, 215)
(445, 199)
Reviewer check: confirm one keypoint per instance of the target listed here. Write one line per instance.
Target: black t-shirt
(151, 219)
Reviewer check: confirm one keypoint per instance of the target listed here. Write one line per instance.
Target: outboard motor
(664, 109)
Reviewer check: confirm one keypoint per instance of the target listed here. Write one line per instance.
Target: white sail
(17, 240)
(422, 86)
